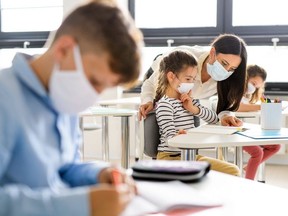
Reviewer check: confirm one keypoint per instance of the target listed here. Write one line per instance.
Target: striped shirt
(172, 116)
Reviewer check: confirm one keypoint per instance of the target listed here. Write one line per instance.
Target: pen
(116, 176)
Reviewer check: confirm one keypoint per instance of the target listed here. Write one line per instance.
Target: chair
(152, 135)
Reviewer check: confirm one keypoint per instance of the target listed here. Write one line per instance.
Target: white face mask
(251, 88)
(70, 90)
(217, 71)
(185, 87)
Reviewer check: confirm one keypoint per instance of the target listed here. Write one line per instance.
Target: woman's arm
(248, 107)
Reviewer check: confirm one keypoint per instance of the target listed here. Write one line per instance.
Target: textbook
(258, 133)
(162, 197)
(215, 129)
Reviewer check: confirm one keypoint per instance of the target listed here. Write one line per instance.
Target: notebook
(215, 129)
(163, 170)
(258, 133)
(157, 197)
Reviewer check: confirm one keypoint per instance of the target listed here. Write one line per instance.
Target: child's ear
(170, 76)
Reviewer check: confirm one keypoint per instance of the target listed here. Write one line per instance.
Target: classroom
(110, 106)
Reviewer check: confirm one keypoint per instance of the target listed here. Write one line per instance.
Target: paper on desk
(155, 197)
(216, 129)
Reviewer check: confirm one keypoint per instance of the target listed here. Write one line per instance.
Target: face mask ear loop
(78, 58)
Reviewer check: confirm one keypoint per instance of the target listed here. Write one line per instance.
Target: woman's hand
(231, 121)
(144, 109)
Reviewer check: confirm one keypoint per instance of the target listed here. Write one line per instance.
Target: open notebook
(156, 197)
(216, 129)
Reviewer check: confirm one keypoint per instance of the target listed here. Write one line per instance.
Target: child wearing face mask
(41, 172)
(175, 108)
(254, 90)
(256, 77)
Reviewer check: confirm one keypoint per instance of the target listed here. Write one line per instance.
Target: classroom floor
(277, 175)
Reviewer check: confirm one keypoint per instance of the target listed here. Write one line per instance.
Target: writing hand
(231, 121)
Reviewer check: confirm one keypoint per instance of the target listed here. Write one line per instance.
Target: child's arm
(194, 107)
(205, 114)
(188, 104)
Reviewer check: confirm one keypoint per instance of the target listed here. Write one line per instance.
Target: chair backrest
(152, 135)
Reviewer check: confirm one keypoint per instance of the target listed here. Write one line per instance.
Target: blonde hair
(175, 62)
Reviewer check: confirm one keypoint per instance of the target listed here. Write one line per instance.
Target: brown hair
(231, 90)
(175, 62)
(99, 27)
(256, 71)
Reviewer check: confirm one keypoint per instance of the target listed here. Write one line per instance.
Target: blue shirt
(40, 172)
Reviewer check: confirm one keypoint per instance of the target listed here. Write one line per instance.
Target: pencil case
(164, 170)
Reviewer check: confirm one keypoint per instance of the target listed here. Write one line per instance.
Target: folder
(259, 133)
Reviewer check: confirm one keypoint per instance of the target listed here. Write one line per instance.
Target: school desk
(237, 196)
(124, 114)
(190, 142)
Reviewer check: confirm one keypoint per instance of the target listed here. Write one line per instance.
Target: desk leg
(125, 142)
(105, 139)
(261, 173)
(222, 153)
(238, 158)
(188, 154)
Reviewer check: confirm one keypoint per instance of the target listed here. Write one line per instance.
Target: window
(28, 21)
(198, 22)
(163, 14)
(180, 20)
(259, 13)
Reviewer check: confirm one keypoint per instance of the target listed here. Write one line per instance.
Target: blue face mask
(217, 71)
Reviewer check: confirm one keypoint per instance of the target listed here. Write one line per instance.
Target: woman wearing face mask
(256, 77)
(258, 154)
(175, 108)
(222, 71)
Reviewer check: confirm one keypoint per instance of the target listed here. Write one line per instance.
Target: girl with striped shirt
(175, 109)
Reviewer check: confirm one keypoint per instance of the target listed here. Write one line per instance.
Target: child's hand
(186, 100)
(188, 104)
(181, 131)
(109, 200)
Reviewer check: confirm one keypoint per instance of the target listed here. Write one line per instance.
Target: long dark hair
(231, 90)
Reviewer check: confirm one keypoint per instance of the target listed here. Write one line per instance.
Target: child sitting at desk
(254, 91)
(256, 77)
(175, 109)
